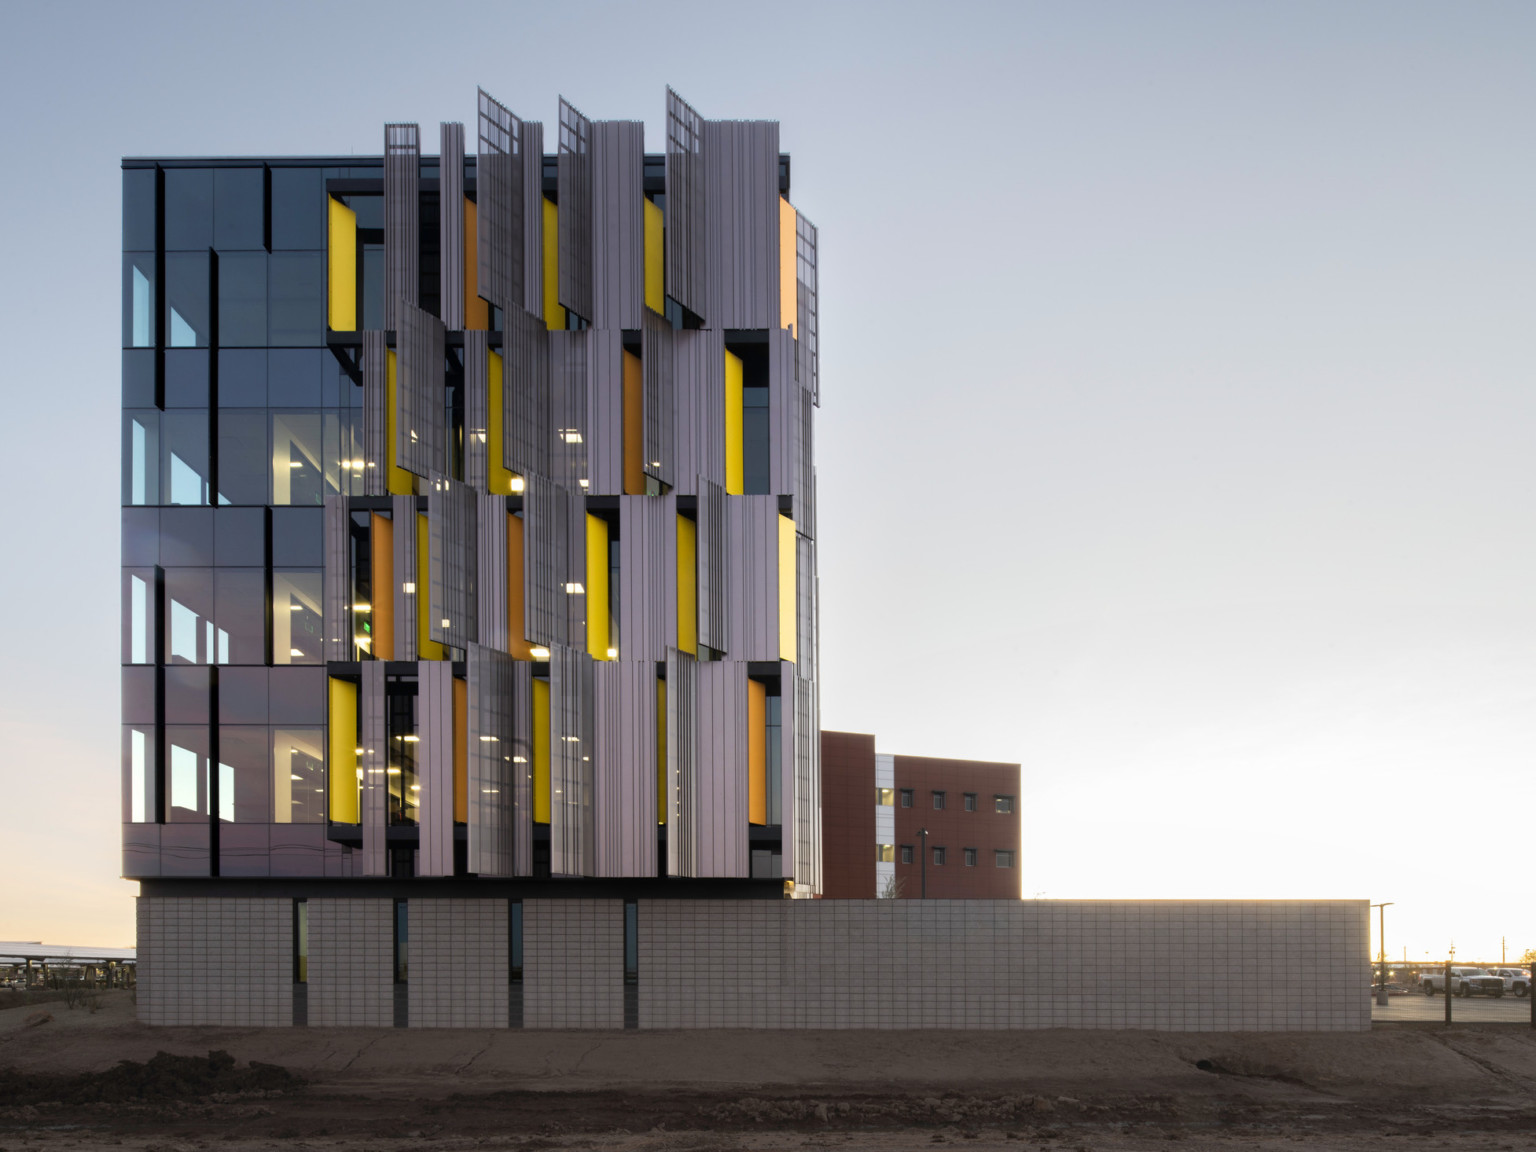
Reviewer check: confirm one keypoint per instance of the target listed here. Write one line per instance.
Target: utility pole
(925, 864)
(1381, 988)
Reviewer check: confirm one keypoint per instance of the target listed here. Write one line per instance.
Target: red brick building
(916, 824)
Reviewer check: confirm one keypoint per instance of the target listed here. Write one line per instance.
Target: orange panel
(757, 752)
(634, 427)
(460, 751)
(477, 313)
(517, 632)
(381, 562)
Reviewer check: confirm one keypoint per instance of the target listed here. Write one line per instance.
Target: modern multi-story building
(468, 520)
(915, 826)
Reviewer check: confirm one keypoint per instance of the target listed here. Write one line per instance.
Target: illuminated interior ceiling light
(393, 771)
(519, 759)
(359, 751)
(571, 739)
(490, 791)
(294, 776)
(413, 435)
(295, 652)
(539, 653)
(362, 608)
(489, 740)
(582, 481)
(411, 739)
(295, 607)
(415, 787)
(574, 589)
(613, 653)
(409, 587)
(517, 484)
(446, 623)
(377, 771)
(571, 435)
(295, 463)
(480, 436)
(319, 789)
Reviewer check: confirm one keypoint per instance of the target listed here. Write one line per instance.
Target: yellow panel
(787, 589)
(788, 276)
(461, 751)
(399, 482)
(426, 647)
(554, 315)
(342, 781)
(634, 426)
(597, 588)
(381, 558)
(517, 642)
(734, 457)
(477, 314)
(541, 751)
(500, 478)
(342, 268)
(661, 751)
(655, 254)
(757, 753)
(687, 586)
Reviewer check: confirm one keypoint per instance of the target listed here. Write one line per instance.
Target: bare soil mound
(164, 1077)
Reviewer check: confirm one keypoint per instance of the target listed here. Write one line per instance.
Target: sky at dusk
(1178, 429)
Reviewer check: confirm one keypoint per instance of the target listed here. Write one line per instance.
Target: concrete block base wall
(1004, 964)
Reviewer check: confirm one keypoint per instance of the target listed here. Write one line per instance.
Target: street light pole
(1381, 988)
(925, 864)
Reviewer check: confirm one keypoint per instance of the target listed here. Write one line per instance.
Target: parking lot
(1466, 1010)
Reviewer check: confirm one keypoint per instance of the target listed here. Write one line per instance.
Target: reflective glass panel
(190, 635)
(138, 615)
(186, 379)
(141, 456)
(141, 536)
(138, 379)
(139, 774)
(240, 537)
(184, 456)
(296, 617)
(239, 208)
(243, 696)
(298, 775)
(188, 209)
(293, 377)
(240, 626)
(298, 208)
(295, 299)
(139, 300)
(139, 210)
(243, 456)
(297, 695)
(186, 773)
(186, 537)
(243, 378)
(298, 458)
(186, 695)
(242, 299)
(186, 300)
(138, 700)
(298, 538)
(244, 781)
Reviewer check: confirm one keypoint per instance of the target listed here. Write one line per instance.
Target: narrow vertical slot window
(775, 752)
(301, 941)
(757, 752)
(402, 941)
(541, 796)
(734, 457)
(597, 589)
(687, 586)
(515, 942)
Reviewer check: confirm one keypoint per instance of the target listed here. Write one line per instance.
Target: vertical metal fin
(337, 580)
(741, 188)
(687, 267)
(806, 639)
(752, 561)
(648, 590)
(554, 551)
(451, 227)
(618, 223)
(805, 307)
(658, 388)
(571, 739)
(603, 428)
(522, 768)
(434, 755)
(532, 162)
(713, 515)
(420, 432)
(410, 585)
(575, 192)
(721, 768)
(374, 761)
(492, 743)
(699, 404)
(805, 837)
(402, 219)
(568, 354)
(491, 583)
(682, 782)
(375, 381)
(499, 191)
(624, 793)
(452, 546)
(525, 395)
(477, 414)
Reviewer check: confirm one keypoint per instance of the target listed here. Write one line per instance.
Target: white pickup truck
(1464, 982)
(1516, 980)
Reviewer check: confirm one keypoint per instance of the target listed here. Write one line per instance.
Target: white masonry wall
(215, 961)
(352, 963)
(458, 958)
(573, 963)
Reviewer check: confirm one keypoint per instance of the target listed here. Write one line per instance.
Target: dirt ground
(62, 1085)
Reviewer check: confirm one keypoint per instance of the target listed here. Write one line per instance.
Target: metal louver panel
(699, 404)
(806, 833)
(554, 559)
(604, 423)
(791, 419)
(752, 560)
(720, 769)
(499, 204)
(648, 591)
(420, 435)
(451, 227)
(786, 767)
(687, 276)
(713, 516)
(453, 564)
(682, 783)
(477, 414)
(741, 189)
(491, 740)
(574, 177)
(374, 761)
(522, 768)
(568, 378)
(624, 777)
(402, 219)
(375, 383)
(571, 743)
(806, 638)
(336, 600)
(525, 395)
(658, 406)
(403, 515)
(618, 223)
(805, 307)
(434, 758)
(532, 161)
(805, 488)
(491, 580)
